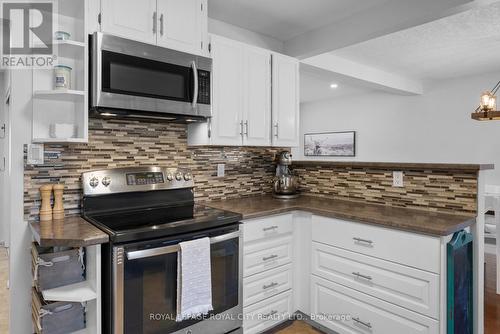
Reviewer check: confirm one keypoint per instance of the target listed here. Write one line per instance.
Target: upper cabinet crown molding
(175, 24)
(254, 98)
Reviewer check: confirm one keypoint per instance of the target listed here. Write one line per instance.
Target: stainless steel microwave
(138, 80)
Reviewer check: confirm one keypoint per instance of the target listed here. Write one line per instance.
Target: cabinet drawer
(411, 288)
(384, 243)
(257, 229)
(265, 255)
(267, 284)
(364, 314)
(267, 313)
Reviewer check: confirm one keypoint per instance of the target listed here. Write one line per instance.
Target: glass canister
(62, 77)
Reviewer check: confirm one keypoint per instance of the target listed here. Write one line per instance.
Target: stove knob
(170, 177)
(94, 182)
(106, 181)
(178, 176)
(188, 176)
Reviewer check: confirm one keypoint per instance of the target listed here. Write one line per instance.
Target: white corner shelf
(73, 140)
(78, 293)
(60, 94)
(69, 48)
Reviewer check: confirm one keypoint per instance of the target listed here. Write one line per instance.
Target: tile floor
(4, 295)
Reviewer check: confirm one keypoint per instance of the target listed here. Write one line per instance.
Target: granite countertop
(395, 165)
(412, 220)
(73, 231)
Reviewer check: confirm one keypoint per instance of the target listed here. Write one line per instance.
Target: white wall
(434, 127)
(243, 35)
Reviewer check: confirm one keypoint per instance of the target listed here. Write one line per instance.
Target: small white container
(62, 35)
(62, 77)
(62, 130)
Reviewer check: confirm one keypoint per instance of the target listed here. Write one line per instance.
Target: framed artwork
(331, 144)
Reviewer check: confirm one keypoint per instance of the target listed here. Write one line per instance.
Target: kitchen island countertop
(411, 220)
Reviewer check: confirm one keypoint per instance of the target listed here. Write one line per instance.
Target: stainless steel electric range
(147, 212)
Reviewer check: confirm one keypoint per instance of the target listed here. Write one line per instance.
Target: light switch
(221, 170)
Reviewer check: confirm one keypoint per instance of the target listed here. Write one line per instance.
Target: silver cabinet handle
(276, 126)
(3, 131)
(366, 241)
(154, 22)
(362, 276)
(270, 314)
(272, 285)
(195, 84)
(241, 128)
(270, 257)
(366, 324)
(246, 128)
(161, 24)
(4, 165)
(270, 228)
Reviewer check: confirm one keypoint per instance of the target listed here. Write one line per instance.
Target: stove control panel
(121, 180)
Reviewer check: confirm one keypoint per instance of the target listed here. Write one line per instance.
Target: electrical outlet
(35, 154)
(397, 179)
(221, 170)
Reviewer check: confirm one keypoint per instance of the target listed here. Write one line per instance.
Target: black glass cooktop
(145, 223)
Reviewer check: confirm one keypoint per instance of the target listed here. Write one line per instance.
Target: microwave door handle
(195, 84)
(145, 253)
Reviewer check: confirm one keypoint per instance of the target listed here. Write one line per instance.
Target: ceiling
(459, 45)
(285, 19)
(315, 85)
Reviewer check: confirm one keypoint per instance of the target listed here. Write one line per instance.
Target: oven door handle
(195, 84)
(141, 254)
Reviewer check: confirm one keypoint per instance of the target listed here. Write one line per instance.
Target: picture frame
(330, 144)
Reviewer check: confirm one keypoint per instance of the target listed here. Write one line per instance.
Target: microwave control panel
(203, 87)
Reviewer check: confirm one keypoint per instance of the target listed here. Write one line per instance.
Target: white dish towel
(194, 279)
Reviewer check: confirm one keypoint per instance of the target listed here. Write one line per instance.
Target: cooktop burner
(141, 203)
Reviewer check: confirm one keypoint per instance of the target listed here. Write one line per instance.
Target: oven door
(145, 287)
(130, 75)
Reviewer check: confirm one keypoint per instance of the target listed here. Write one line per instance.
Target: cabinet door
(180, 25)
(133, 19)
(285, 115)
(257, 97)
(227, 95)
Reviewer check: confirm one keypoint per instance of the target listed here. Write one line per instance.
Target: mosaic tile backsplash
(433, 190)
(117, 143)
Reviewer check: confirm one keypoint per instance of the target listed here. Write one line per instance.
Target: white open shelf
(78, 293)
(69, 48)
(59, 140)
(60, 94)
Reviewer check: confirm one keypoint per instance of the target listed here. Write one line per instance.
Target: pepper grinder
(58, 211)
(46, 209)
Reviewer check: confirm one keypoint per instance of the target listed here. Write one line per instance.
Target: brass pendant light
(487, 109)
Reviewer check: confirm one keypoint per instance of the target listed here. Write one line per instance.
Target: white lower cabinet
(408, 287)
(350, 277)
(267, 284)
(268, 313)
(348, 311)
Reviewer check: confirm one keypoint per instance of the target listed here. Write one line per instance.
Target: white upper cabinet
(241, 97)
(131, 19)
(285, 114)
(176, 24)
(227, 96)
(180, 25)
(257, 97)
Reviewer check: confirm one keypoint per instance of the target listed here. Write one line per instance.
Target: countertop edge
(68, 241)
(392, 165)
